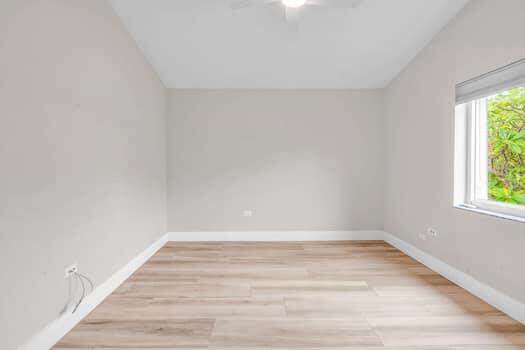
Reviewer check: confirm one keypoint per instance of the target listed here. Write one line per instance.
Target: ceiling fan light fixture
(293, 3)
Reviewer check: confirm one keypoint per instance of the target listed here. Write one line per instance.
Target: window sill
(491, 213)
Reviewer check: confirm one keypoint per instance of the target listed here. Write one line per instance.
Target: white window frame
(471, 164)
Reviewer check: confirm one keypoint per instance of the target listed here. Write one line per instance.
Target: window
(490, 143)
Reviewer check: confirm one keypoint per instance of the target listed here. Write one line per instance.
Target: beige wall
(301, 160)
(419, 146)
(82, 154)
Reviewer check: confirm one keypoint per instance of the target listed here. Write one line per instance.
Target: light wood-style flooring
(291, 295)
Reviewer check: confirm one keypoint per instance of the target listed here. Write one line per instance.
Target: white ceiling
(206, 44)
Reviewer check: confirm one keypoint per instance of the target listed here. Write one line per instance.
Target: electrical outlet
(70, 270)
(247, 213)
(432, 232)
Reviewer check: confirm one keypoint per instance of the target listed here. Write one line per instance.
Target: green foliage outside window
(506, 124)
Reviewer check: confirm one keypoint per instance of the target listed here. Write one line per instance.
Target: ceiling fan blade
(338, 4)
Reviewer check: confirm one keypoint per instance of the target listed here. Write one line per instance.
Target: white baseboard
(46, 338)
(500, 301)
(274, 236)
(50, 335)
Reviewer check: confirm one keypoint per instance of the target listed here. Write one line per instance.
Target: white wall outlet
(423, 236)
(432, 232)
(247, 213)
(70, 270)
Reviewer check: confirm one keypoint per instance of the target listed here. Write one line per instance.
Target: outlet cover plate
(70, 270)
(431, 231)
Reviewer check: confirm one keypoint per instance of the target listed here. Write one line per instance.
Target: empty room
(262, 174)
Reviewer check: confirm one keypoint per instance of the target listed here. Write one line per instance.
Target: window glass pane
(506, 146)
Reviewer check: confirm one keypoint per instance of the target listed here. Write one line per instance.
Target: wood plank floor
(291, 295)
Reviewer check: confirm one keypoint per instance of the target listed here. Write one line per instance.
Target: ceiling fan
(294, 4)
(292, 7)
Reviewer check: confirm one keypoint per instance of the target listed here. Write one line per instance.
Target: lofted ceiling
(207, 44)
